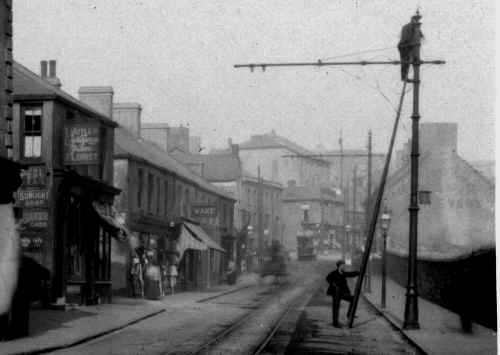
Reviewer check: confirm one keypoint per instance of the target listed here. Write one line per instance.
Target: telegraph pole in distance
(344, 205)
(368, 206)
(259, 217)
(353, 219)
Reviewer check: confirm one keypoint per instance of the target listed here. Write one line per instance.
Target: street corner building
(65, 201)
(177, 220)
(456, 245)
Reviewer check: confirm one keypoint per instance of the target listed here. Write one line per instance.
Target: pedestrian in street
(408, 45)
(338, 289)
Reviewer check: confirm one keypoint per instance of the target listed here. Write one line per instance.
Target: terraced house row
(98, 202)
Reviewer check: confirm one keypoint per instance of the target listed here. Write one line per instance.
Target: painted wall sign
(34, 175)
(82, 144)
(35, 218)
(32, 197)
(208, 211)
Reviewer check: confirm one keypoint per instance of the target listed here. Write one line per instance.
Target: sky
(176, 59)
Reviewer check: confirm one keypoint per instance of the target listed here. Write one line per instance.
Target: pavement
(440, 331)
(51, 330)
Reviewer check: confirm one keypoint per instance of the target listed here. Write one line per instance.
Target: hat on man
(340, 262)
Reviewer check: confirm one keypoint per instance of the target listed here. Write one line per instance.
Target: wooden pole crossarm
(321, 64)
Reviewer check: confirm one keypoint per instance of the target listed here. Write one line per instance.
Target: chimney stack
(52, 68)
(128, 115)
(43, 69)
(100, 98)
(51, 78)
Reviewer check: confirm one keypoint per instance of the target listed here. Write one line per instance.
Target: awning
(188, 241)
(197, 231)
(112, 219)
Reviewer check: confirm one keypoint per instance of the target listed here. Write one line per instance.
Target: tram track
(257, 327)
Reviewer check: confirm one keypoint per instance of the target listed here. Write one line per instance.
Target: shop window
(165, 196)
(140, 186)
(32, 132)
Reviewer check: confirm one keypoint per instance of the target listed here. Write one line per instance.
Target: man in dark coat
(409, 44)
(338, 289)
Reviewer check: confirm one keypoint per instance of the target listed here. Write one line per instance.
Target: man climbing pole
(408, 45)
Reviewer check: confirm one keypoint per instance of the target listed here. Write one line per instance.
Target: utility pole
(411, 304)
(353, 213)
(344, 205)
(368, 206)
(259, 217)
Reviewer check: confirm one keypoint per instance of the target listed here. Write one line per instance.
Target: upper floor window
(158, 195)
(150, 192)
(165, 195)
(32, 134)
(140, 184)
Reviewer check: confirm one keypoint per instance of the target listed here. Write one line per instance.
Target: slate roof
(216, 167)
(30, 86)
(128, 146)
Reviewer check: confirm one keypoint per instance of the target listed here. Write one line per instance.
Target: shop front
(84, 223)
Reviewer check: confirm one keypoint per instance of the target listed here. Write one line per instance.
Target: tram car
(306, 245)
(275, 262)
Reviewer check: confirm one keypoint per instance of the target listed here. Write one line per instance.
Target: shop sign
(34, 175)
(35, 218)
(204, 211)
(82, 144)
(32, 197)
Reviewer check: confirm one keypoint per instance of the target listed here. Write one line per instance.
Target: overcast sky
(176, 59)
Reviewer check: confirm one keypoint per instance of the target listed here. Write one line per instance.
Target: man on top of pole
(411, 35)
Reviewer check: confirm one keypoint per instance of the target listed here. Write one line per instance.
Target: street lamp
(346, 241)
(385, 221)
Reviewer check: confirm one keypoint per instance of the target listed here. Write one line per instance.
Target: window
(150, 191)
(32, 144)
(186, 203)
(158, 195)
(140, 185)
(165, 195)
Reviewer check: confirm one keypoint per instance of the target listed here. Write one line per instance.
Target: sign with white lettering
(82, 144)
(34, 175)
(32, 197)
(208, 211)
(35, 218)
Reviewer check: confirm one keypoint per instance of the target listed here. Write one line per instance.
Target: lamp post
(385, 221)
(347, 231)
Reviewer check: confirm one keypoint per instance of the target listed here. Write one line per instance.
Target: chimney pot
(52, 68)
(43, 68)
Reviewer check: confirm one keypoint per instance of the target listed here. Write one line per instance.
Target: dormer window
(32, 138)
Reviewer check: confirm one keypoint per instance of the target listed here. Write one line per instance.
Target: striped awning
(198, 232)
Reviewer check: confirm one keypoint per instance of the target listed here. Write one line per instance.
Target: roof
(215, 167)
(128, 146)
(151, 125)
(305, 193)
(272, 140)
(347, 153)
(30, 86)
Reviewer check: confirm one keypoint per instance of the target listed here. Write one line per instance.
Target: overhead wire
(359, 52)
